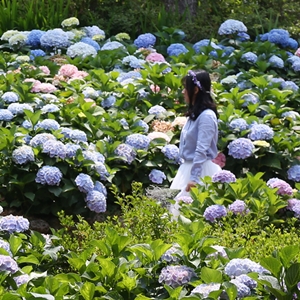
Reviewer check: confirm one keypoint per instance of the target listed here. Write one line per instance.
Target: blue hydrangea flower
(93, 155)
(292, 59)
(276, 61)
(8, 264)
(157, 110)
(145, 40)
(41, 138)
(23, 155)
(279, 37)
(260, 132)
(204, 289)
(10, 97)
(55, 149)
(78, 135)
(6, 246)
(172, 152)
(214, 212)
(91, 31)
(224, 176)
(176, 49)
(289, 85)
(96, 201)
(290, 114)
(238, 207)
(138, 141)
(129, 75)
(71, 150)
(108, 102)
(173, 254)
(292, 43)
(55, 39)
(296, 66)
(294, 173)
(239, 266)
(133, 62)
(229, 80)
(246, 280)
(231, 26)
(21, 279)
(18, 108)
(240, 148)
(112, 46)
(249, 57)
(242, 290)
(249, 98)
(34, 38)
(100, 187)
(90, 42)
(13, 224)
(227, 50)
(239, 124)
(81, 49)
(127, 152)
(157, 176)
(47, 124)
(243, 36)
(84, 183)
(48, 175)
(175, 276)
(101, 170)
(283, 187)
(49, 108)
(5, 115)
(90, 92)
(204, 43)
(36, 53)
(142, 124)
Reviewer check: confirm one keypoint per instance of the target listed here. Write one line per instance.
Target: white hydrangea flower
(70, 22)
(81, 49)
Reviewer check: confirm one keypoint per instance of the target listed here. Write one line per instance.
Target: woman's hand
(190, 185)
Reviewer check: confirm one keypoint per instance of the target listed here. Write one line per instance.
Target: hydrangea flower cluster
(290, 114)
(71, 149)
(21, 279)
(294, 173)
(276, 61)
(145, 40)
(238, 124)
(101, 170)
(294, 206)
(49, 108)
(84, 183)
(70, 22)
(13, 224)
(224, 176)
(172, 255)
(205, 289)
(155, 57)
(249, 98)
(175, 276)
(214, 212)
(283, 187)
(129, 76)
(176, 49)
(90, 42)
(94, 30)
(261, 132)
(249, 57)
(238, 207)
(157, 110)
(18, 108)
(242, 290)
(142, 124)
(240, 148)
(5, 115)
(100, 187)
(55, 39)
(231, 26)
(108, 102)
(34, 38)
(6, 246)
(96, 201)
(10, 97)
(93, 155)
(81, 49)
(157, 176)
(280, 37)
(220, 251)
(49, 175)
(23, 155)
(133, 62)
(7, 264)
(239, 266)
(47, 124)
(138, 141)
(55, 148)
(112, 46)
(204, 43)
(172, 152)
(230, 80)
(40, 139)
(289, 85)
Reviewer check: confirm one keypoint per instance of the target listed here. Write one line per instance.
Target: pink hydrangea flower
(154, 88)
(220, 160)
(283, 187)
(159, 135)
(45, 70)
(43, 88)
(67, 70)
(155, 57)
(79, 75)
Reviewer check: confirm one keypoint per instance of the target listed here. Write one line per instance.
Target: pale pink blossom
(154, 88)
(45, 70)
(179, 121)
(155, 57)
(43, 88)
(90, 100)
(159, 135)
(297, 52)
(79, 75)
(220, 159)
(67, 70)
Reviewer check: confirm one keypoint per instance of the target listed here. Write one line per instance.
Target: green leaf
(55, 190)
(272, 264)
(292, 275)
(15, 244)
(210, 275)
(29, 259)
(288, 254)
(87, 291)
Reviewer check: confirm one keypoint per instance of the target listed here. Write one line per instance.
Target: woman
(199, 136)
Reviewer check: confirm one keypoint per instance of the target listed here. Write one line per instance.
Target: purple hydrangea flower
(7, 264)
(294, 173)
(108, 102)
(246, 280)
(214, 212)
(240, 148)
(283, 187)
(84, 183)
(294, 206)
(157, 176)
(242, 290)
(47, 124)
(238, 124)
(176, 49)
(96, 201)
(127, 152)
(175, 276)
(55, 149)
(224, 176)
(231, 26)
(13, 224)
(6, 246)
(249, 57)
(6, 115)
(156, 110)
(243, 36)
(276, 61)
(10, 97)
(142, 124)
(22, 279)
(18, 108)
(173, 254)
(138, 141)
(41, 138)
(100, 187)
(23, 155)
(172, 152)
(49, 175)
(260, 132)
(145, 40)
(238, 207)
(205, 289)
(239, 266)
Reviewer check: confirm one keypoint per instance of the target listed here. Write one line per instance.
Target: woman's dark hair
(203, 98)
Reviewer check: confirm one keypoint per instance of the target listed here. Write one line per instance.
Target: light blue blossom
(292, 43)
(242, 290)
(23, 155)
(49, 175)
(47, 124)
(21, 279)
(279, 37)
(240, 148)
(8, 264)
(90, 42)
(123, 122)
(54, 149)
(294, 173)
(133, 62)
(49, 97)
(78, 135)
(249, 98)
(176, 49)
(13, 224)
(173, 254)
(10, 97)
(157, 176)
(34, 38)
(6, 246)
(238, 207)
(36, 53)
(18, 108)
(91, 31)
(214, 212)
(90, 92)
(246, 280)
(55, 39)
(249, 57)
(231, 26)
(157, 110)
(108, 102)
(290, 114)
(171, 152)
(129, 75)
(81, 49)
(204, 289)
(224, 176)
(276, 61)
(41, 138)
(260, 132)
(5, 115)
(49, 108)
(283, 187)
(145, 40)
(229, 80)
(204, 43)
(96, 201)
(100, 187)
(238, 124)
(112, 46)
(84, 183)
(142, 124)
(93, 155)
(239, 266)
(296, 66)
(138, 141)
(175, 276)
(127, 152)
(292, 59)
(243, 36)
(71, 150)
(289, 85)
(101, 170)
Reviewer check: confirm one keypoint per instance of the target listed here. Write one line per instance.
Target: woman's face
(185, 95)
